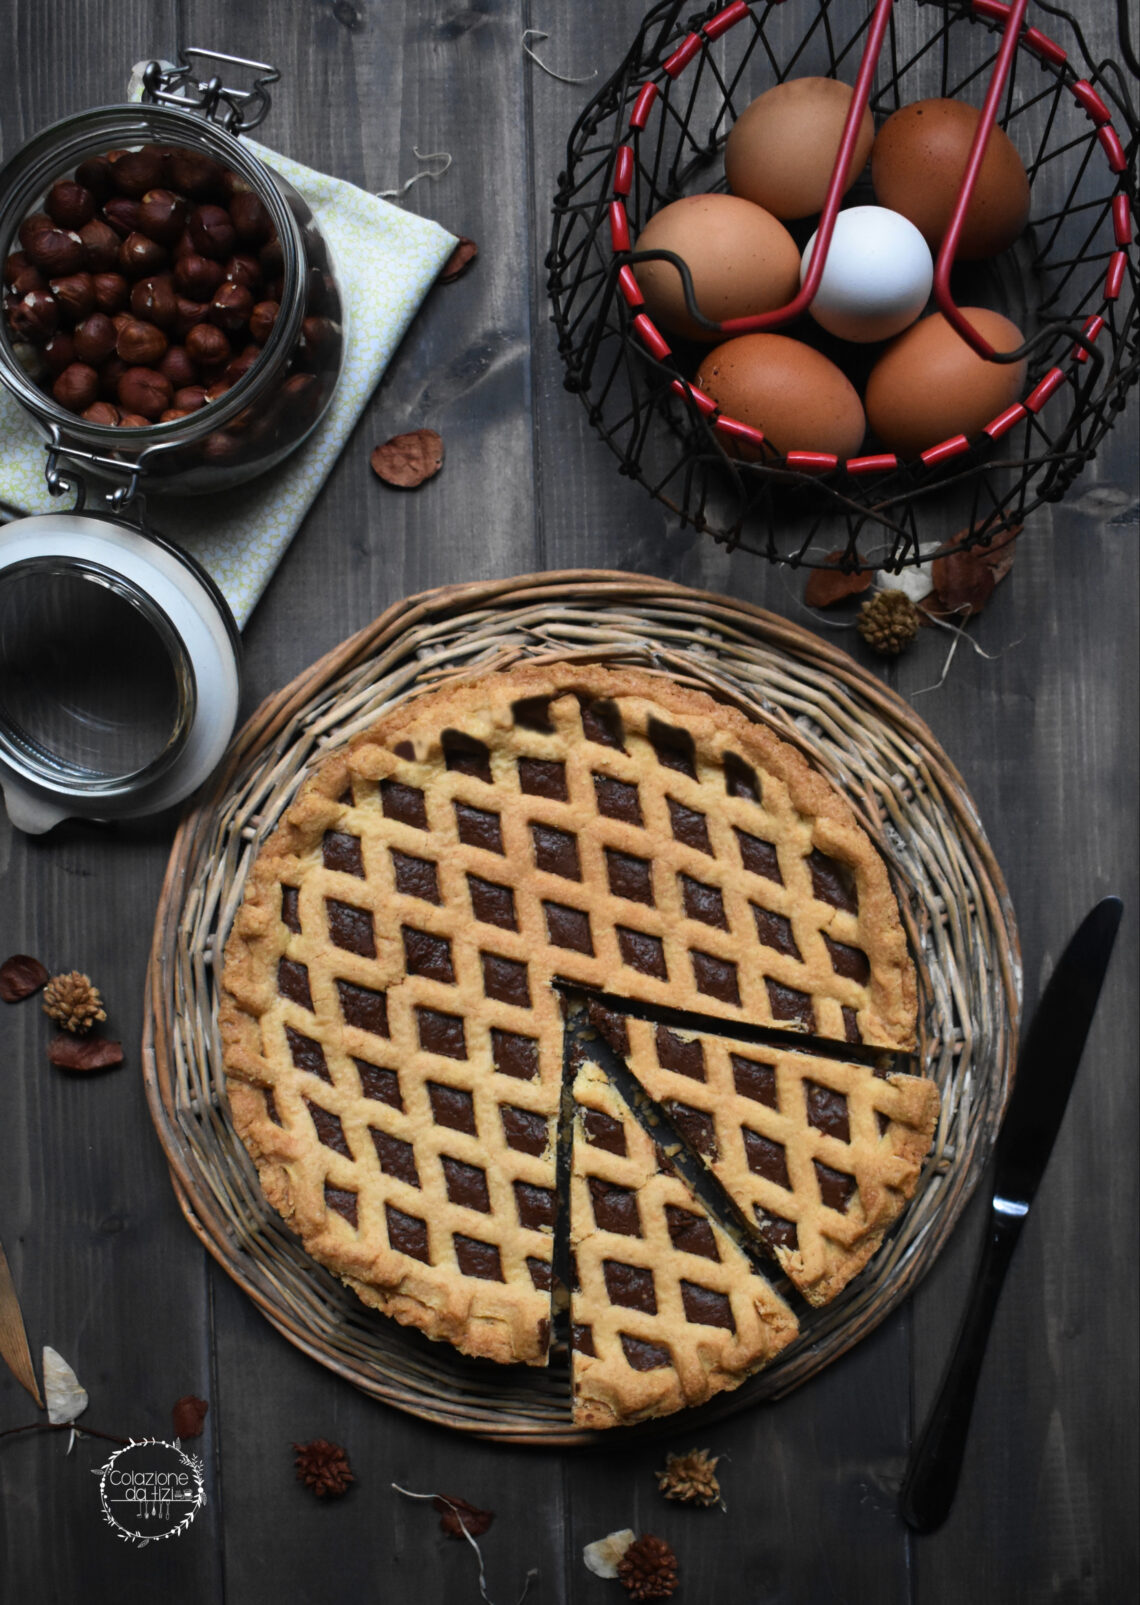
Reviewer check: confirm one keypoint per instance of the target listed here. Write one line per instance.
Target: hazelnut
(140, 344)
(244, 270)
(133, 420)
(262, 319)
(189, 398)
(95, 339)
(218, 389)
(77, 387)
(97, 174)
(35, 317)
(110, 373)
(178, 367)
(187, 314)
(212, 231)
(21, 276)
(252, 223)
(31, 229)
(137, 171)
(60, 352)
(241, 364)
(301, 394)
(272, 258)
(121, 320)
(194, 174)
(139, 256)
(123, 215)
(101, 244)
(231, 307)
(56, 251)
(155, 301)
(183, 246)
(233, 184)
(220, 447)
(242, 421)
(101, 412)
(197, 276)
(111, 292)
(162, 216)
(172, 414)
(207, 345)
(144, 392)
(69, 204)
(75, 295)
(319, 335)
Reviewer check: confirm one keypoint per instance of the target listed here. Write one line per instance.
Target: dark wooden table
(1044, 733)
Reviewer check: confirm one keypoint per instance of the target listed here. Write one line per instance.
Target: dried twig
(536, 33)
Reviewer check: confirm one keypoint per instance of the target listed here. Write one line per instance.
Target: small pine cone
(690, 1478)
(648, 1569)
(888, 622)
(73, 1001)
(323, 1467)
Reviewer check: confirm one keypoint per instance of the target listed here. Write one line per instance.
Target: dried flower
(459, 260)
(73, 1001)
(85, 1053)
(648, 1569)
(458, 1515)
(888, 622)
(20, 976)
(831, 583)
(408, 460)
(964, 580)
(188, 1416)
(323, 1467)
(65, 1397)
(690, 1478)
(604, 1555)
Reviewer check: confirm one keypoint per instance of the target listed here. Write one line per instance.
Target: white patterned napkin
(386, 261)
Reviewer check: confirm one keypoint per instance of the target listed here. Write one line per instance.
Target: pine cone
(73, 1001)
(690, 1478)
(888, 622)
(648, 1569)
(323, 1467)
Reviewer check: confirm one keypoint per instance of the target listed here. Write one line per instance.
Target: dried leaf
(407, 461)
(85, 1053)
(20, 976)
(13, 1336)
(455, 1510)
(188, 1416)
(65, 1396)
(829, 585)
(459, 261)
(964, 581)
(603, 1555)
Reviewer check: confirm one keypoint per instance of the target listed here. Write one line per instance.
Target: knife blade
(13, 1338)
(1046, 1068)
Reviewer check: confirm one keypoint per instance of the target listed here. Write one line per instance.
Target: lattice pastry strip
(819, 1156)
(666, 1310)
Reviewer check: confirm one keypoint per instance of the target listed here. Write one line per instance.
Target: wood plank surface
(1044, 731)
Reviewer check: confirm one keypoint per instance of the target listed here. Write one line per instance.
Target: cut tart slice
(820, 1156)
(665, 1309)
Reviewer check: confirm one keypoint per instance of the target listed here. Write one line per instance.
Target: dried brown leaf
(85, 1053)
(459, 261)
(406, 461)
(13, 1336)
(20, 976)
(476, 1521)
(830, 584)
(964, 581)
(188, 1416)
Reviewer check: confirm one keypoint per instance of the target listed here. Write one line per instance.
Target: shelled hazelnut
(148, 284)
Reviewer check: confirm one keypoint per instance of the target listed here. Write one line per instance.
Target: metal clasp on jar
(237, 110)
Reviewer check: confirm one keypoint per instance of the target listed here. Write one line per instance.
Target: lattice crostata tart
(393, 1025)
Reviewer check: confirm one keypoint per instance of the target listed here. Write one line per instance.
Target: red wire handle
(837, 186)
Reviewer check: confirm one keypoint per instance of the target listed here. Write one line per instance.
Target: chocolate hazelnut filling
(604, 1131)
(788, 1003)
(293, 983)
(690, 1233)
(541, 777)
(601, 723)
(740, 779)
(631, 1286)
(759, 857)
(524, 1130)
(754, 1079)
(428, 955)
(630, 877)
(847, 961)
(827, 1111)
(537, 1206)
(642, 952)
(715, 977)
(342, 852)
(290, 909)
(306, 1054)
(556, 852)
(690, 827)
(364, 1008)
(452, 1106)
(379, 1083)
(674, 748)
(441, 1033)
(702, 902)
(704, 1306)
(615, 1208)
(351, 928)
(416, 877)
(643, 1355)
(685, 1057)
(766, 1158)
(342, 1201)
(397, 1158)
(466, 1185)
(329, 1129)
(697, 1127)
(407, 1234)
(775, 931)
(404, 803)
(568, 927)
(832, 882)
(505, 980)
(616, 799)
(492, 904)
(466, 755)
(836, 1187)
(514, 1055)
(478, 828)
(476, 1258)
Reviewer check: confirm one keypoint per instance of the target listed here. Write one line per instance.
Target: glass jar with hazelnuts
(171, 317)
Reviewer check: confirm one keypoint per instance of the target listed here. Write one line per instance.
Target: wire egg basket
(656, 132)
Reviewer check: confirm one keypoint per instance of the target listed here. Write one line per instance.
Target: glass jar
(272, 407)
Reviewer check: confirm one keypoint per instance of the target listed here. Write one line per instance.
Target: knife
(1046, 1067)
(13, 1338)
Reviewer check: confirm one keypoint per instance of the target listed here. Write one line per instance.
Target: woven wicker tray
(906, 792)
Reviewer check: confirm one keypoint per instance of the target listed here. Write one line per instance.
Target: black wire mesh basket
(656, 132)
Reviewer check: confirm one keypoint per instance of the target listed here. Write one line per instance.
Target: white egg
(877, 276)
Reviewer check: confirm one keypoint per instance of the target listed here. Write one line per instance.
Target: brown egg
(917, 165)
(741, 259)
(788, 390)
(929, 385)
(782, 148)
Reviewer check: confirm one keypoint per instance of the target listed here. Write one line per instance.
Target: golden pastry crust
(418, 900)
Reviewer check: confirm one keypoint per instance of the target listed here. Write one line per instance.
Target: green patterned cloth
(386, 261)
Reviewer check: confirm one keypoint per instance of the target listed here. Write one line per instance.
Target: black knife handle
(932, 1478)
